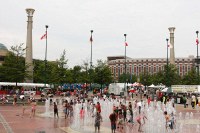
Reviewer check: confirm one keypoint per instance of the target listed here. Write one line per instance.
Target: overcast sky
(145, 22)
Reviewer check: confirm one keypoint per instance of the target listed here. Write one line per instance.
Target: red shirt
(98, 108)
(149, 100)
(113, 118)
(82, 113)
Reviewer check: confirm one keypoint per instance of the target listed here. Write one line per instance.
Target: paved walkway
(11, 121)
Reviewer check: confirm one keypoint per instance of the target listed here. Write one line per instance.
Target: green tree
(56, 71)
(38, 73)
(14, 68)
(84, 72)
(68, 76)
(51, 72)
(173, 76)
(191, 78)
(103, 74)
(147, 79)
(60, 72)
(128, 78)
(76, 74)
(158, 78)
(122, 78)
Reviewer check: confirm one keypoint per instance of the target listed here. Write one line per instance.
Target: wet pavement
(11, 121)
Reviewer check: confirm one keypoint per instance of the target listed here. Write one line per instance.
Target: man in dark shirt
(113, 119)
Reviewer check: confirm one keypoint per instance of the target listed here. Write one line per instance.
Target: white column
(29, 55)
(172, 54)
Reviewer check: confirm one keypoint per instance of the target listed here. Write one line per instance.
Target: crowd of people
(129, 112)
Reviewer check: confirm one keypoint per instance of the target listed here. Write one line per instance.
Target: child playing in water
(82, 113)
(138, 119)
(33, 109)
(23, 109)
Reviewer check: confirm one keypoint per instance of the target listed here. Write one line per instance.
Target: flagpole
(197, 32)
(45, 61)
(125, 89)
(167, 63)
(91, 40)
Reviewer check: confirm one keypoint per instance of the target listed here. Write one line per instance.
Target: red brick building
(137, 66)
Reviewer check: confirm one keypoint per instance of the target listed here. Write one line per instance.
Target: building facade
(3, 52)
(137, 66)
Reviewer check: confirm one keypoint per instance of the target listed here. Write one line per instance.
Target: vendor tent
(165, 89)
(152, 86)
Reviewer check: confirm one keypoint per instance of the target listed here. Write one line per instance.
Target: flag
(91, 40)
(197, 41)
(44, 36)
(126, 44)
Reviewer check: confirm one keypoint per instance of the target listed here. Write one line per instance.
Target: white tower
(29, 55)
(172, 54)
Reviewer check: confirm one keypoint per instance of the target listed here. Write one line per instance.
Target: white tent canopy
(152, 86)
(24, 84)
(158, 86)
(165, 89)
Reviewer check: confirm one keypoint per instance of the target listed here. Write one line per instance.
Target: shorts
(97, 124)
(65, 111)
(113, 126)
(15, 99)
(55, 111)
(120, 122)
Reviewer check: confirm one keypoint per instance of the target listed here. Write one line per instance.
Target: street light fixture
(91, 40)
(197, 32)
(45, 61)
(86, 65)
(167, 63)
(125, 44)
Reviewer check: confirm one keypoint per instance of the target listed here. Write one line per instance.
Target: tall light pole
(167, 63)
(125, 44)
(91, 40)
(197, 41)
(45, 61)
(86, 71)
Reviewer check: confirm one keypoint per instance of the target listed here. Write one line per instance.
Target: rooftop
(3, 47)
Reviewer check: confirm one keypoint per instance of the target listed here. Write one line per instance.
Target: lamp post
(125, 61)
(197, 32)
(86, 65)
(45, 61)
(167, 63)
(118, 72)
(91, 40)
(101, 75)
